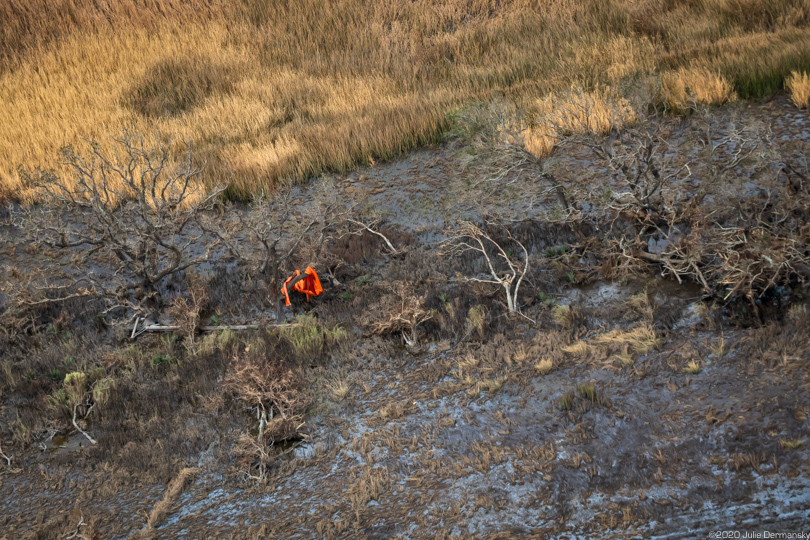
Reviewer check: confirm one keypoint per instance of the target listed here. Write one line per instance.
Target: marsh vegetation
(579, 307)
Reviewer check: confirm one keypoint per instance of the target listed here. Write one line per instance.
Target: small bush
(102, 389)
(798, 84)
(161, 359)
(75, 387)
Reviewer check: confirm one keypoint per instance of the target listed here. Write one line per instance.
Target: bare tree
(508, 158)
(132, 214)
(271, 237)
(506, 268)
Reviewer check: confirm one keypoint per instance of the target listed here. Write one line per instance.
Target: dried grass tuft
(682, 90)
(798, 84)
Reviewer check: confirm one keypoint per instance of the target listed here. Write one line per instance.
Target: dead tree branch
(4, 456)
(270, 238)
(132, 216)
(505, 268)
(88, 409)
(369, 228)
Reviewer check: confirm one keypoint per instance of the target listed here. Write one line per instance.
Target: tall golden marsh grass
(280, 90)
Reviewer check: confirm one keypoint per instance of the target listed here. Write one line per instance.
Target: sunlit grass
(271, 91)
(798, 84)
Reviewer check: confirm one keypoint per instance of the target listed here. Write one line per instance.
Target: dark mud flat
(635, 406)
(670, 455)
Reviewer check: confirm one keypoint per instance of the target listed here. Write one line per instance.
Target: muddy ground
(490, 425)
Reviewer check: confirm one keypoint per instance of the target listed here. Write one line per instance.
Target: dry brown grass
(277, 91)
(639, 340)
(798, 84)
(686, 88)
(626, 344)
(544, 366)
(163, 507)
(574, 112)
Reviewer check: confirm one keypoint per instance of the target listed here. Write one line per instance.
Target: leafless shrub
(505, 268)
(133, 221)
(185, 310)
(271, 238)
(274, 392)
(402, 310)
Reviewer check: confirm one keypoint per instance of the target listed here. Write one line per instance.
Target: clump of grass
(566, 316)
(218, 341)
(790, 444)
(587, 391)
(566, 403)
(493, 385)
(552, 253)
(718, 348)
(640, 340)
(308, 337)
(545, 366)
(546, 299)
(692, 368)
(798, 84)
(578, 348)
(625, 358)
(394, 410)
(477, 320)
(573, 112)
(641, 304)
(339, 389)
(486, 385)
(683, 89)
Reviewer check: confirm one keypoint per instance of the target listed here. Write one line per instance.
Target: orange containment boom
(309, 285)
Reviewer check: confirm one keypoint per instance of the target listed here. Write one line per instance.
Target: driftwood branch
(159, 328)
(4, 456)
(76, 425)
(394, 250)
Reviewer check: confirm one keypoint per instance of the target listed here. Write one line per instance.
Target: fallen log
(157, 328)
